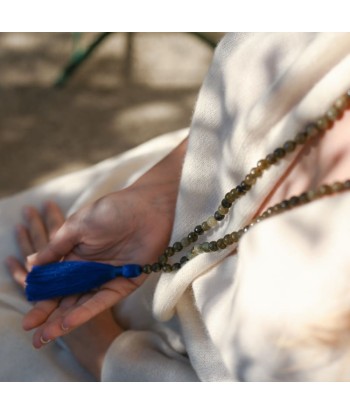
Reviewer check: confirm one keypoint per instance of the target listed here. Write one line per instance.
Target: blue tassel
(73, 277)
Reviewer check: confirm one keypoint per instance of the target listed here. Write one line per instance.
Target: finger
(62, 243)
(17, 270)
(53, 217)
(72, 314)
(85, 311)
(54, 327)
(36, 228)
(39, 313)
(24, 241)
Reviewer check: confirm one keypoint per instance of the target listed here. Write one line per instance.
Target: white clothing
(235, 314)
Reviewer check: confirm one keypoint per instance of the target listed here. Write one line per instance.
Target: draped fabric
(237, 314)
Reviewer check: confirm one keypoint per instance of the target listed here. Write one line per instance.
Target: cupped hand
(128, 226)
(91, 341)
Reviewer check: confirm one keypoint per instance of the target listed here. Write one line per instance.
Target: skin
(129, 226)
(120, 228)
(90, 342)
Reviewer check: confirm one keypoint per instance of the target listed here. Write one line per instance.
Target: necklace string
(312, 131)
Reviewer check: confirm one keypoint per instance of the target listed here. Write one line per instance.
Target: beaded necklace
(71, 277)
(313, 130)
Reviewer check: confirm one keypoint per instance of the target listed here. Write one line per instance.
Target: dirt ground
(135, 87)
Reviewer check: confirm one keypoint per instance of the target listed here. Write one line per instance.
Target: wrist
(167, 171)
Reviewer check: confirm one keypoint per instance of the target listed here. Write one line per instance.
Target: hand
(90, 342)
(130, 226)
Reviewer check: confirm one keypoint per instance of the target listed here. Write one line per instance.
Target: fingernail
(64, 328)
(44, 341)
(31, 258)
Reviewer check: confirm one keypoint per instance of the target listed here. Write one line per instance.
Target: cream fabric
(230, 315)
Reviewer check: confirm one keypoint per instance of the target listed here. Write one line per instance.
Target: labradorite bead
(177, 246)
(235, 236)
(228, 239)
(205, 247)
(169, 251)
(162, 259)
(156, 267)
(333, 113)
(323, 123)
(234, 193)
(240, 190)
(218, 216)
(211, 222)
(347, 184)
(205, 226)
(279, 152)
(199, 230)
(176, 266)
(269, 211)
(243, 188)
(303, 198)
(147, 269)
(263, 164)
(325, 189)
(256, 172)
(230, 197)
(342, 102)
(337, 187)
(213, 246)
(185, 242)
(271, 158)
(285, 204)
(221, 244)
(226, 204)
(240, 233)
(294, 201)
(246, 229)
(311, 195)
(222, 210)
(249, 179)
(289, 146)
(192, 237)
(276, 208)
(183, 260)
(166, 268)
(312, 131)
(301, 138)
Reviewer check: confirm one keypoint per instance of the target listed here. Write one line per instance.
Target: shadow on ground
(133, 88)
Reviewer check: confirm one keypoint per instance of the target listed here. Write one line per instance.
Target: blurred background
(132, 87)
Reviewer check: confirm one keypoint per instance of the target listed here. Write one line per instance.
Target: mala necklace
(72, 277)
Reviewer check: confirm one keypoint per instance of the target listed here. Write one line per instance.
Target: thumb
(62, 244)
